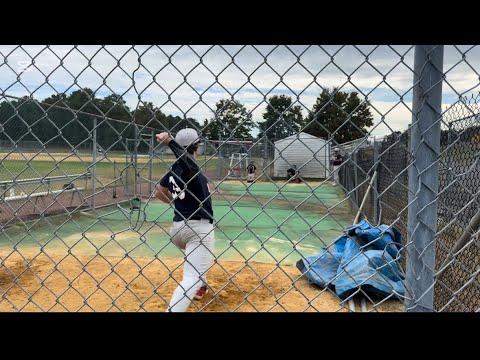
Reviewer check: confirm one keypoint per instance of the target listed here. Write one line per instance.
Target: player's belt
(200, 218)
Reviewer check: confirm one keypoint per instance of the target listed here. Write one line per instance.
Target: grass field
(28, 166)
(21, 169)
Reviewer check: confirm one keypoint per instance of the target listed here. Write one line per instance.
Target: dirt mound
(125, 284)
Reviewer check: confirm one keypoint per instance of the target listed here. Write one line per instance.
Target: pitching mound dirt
(74, 283)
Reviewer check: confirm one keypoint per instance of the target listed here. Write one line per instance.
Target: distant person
(292, 174)
(336, 160)
(251, 168)
(192, 231)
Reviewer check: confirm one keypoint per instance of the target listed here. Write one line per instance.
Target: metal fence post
(449, 174)
(375, 182)
(94, 160)
(220, 158)
(3, 194)
(423, 177)
(266, 156)
(114, 192)
(135, 162)
(150, 165)
(355, 172)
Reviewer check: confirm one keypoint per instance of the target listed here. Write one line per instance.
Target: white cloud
(245, 71)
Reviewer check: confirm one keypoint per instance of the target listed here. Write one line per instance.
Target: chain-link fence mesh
(298, 143)
(457, 287)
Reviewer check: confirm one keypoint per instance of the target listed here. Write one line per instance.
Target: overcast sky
(156, 73)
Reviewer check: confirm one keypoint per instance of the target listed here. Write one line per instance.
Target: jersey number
(176, 191)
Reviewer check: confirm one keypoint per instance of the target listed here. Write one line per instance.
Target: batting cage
(239, 178)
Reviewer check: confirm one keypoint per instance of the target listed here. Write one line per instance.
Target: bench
(68, 186)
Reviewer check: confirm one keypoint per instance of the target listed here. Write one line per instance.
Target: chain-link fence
(337, 175)
(456, 289)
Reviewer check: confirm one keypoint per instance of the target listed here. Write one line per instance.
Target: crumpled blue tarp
(343, 268)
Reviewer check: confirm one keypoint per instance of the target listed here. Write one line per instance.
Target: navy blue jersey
(337, 159)
(188, 187)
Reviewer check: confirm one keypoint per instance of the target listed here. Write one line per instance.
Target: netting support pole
(205, 142)
(220, 158)
(355, 172)
(114, 193)
(266, 157)
(450, 176)
(94, 160)
(423, 177)
(135, 162)
(150, 163)
(376, 167)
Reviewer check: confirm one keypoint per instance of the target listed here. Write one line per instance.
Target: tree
(84, 100)
(58, 117)
(281, 119)
(149, 115)
(231, 120)
(331, 111)
(65, 121)
(115, 107)
(76, 130)
(21, 119)
(110, 134)
(176, 123)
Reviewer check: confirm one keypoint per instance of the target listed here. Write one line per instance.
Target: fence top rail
(356, 144)
(48, 179)
(230, 141)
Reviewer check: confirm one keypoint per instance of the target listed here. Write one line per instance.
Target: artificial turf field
(269, 222)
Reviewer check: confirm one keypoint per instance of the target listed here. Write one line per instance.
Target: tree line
(63, 120)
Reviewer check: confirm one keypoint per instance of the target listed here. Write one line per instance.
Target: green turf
(269, 222)
(314, 193)
(269, 232)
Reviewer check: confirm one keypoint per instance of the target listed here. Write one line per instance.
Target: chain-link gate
(341, 178)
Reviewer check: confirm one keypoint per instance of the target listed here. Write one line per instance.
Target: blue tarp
(365, 256)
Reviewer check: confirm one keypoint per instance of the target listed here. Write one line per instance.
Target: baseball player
(251, 168)
(336, 161)
(192, 230)
(293, 175)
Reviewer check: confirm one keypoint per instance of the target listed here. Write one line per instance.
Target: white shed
(311, 154)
